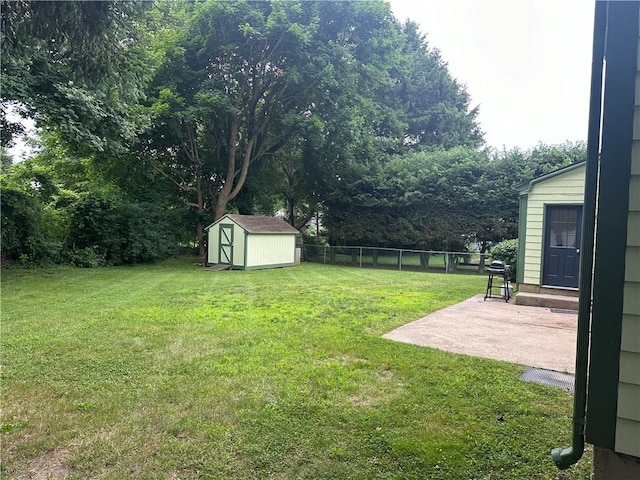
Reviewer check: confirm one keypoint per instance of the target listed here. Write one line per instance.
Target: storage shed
(550, 225)
(249, 242)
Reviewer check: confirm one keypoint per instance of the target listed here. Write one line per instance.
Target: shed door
(226, 245)
(562, 245)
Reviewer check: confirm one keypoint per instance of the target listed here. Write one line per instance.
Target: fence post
(360, 257)
(446, 262)
(400, 260)
(324, 254)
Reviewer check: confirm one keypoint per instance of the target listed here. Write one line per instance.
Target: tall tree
(246, 77)
(233, 73)
(431, 114)
(436, 106)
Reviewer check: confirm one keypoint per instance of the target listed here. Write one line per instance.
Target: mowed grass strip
(168, 371)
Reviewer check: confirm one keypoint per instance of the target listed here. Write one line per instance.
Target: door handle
(577, 250)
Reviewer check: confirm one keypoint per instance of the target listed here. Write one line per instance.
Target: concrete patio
(534, 336)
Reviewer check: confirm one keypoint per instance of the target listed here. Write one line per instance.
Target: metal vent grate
(548, 377)
(564, 310)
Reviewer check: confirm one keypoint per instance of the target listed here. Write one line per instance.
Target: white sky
(21, 150)
(527, 63)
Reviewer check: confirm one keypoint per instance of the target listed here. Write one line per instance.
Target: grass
(168, 371)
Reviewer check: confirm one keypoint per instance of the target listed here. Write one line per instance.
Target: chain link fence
(397, 258)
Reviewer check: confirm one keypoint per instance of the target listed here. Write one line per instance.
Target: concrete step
(545, 300)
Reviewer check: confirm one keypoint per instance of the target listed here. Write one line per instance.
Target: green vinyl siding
(634, 193)
(629, 372)
(632, 275)
(627, 438)
(633, 234)
(629, 402)
(630, 341)
(563, 189)
(631, 297)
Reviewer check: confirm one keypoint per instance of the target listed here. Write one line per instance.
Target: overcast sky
(527, 63)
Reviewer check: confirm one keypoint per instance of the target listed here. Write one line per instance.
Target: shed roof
(526, 187)
(260, 224)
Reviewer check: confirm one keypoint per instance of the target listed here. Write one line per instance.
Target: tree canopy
(76, 67)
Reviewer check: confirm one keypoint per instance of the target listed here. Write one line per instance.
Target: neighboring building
(251, 242)
(607, 383)
(550, 226)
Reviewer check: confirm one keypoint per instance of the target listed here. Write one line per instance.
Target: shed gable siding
(239, 246)
(213, 244)
(566, 188)
(628, 413)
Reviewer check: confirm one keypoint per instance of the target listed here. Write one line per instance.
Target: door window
(564, 227)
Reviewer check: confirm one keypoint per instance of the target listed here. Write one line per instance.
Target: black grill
(498, 270)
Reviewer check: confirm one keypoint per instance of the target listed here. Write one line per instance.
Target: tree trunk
(424, 260)
(232, 186)
(451, 262)
(483, 256)
(200, 209)
(290, 208)
(223, 195)
(200, 231)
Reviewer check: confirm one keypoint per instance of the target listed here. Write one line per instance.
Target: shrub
(87, 257)
(25, 229)
(104, 230)
(142, 232)
(85, 230)
(507, 252)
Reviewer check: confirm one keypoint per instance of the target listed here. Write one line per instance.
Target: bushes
(24, 229)
(87, 257)
(114, 233)
(19, 217)
(507, 252)
(86, 230)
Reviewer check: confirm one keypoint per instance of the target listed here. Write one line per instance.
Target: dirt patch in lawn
(51, 465)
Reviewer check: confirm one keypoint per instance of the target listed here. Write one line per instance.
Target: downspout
(565, 457)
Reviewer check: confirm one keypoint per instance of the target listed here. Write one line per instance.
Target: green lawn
(168, 371)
